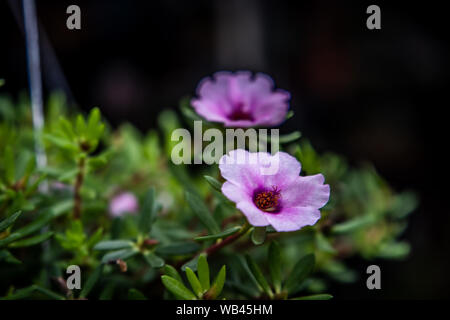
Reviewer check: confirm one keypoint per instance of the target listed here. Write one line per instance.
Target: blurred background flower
(123, 203)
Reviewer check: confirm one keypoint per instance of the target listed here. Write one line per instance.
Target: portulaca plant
(114, 206)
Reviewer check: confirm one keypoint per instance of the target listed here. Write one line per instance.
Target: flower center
(239, 114)
(268, 200)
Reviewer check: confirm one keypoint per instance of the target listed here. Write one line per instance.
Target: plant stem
(77, 189)
(219, 245)
(230, 239)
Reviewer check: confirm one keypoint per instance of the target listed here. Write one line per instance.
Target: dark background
(375, 95)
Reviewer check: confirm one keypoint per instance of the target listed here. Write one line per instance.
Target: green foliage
(183, 228)
(200, 284)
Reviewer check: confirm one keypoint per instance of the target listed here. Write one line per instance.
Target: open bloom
(125, 202)
(284, 199)
(240, 100)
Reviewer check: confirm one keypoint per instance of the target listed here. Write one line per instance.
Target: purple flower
(123, 203)
(284, 199)
(240, 100)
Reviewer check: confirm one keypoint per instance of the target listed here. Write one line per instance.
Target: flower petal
(306, 191)
(287, 169)
(237, 168)
(254, 216)
(221, 96)
(235, 193)
(273, 109)
(291, 219)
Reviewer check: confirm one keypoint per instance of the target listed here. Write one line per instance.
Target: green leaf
(195, 283)
(95, 238)
(9, 239)
(177, 288)
(258, 275)
(203, 272)
(290, 114)
(354, 224)
(5, 255)
(119, 254)
(49, 214)
(178, 249)
(30, 166)
(27, 292)
(191, 264)
(217, 286)
(60, 142)
(308, 157)
(214, 183)
(219, 235)
(393, 250)
(148, 211)
(258, 235)
(403, 204)
(93, 123)
(134, 294)
(301, 271)
(324, 244)
(80, 126)
(172, 272)
(5, 224)
(275, 262)
(91, 281)
(201, 211)
(9, 165)
(114, 245)
(187, 111)
(66, 129)
(323, 296)
(291, 137)
(153, 260)
(31, 241)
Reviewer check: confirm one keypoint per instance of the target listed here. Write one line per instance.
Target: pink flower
(123, 203)
(240, 100)
(284, 199)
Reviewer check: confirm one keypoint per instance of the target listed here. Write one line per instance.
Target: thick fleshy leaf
(177, 288)
(214, 183)
(219, 235)
(91, 281)
(119, 254)
(258, 235)
(154, 260)
(291, 137)
(201, 211)
(256, 271)
(172, 272)
(301, 271)
(32, 240)
(6, 223)
(203, 272)
(191, 264)
(113, 245)
(178, 249)
(217, 286)
(28, 291)
(148, 211)
(275, 264)
(195, 283)
(354, 224)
